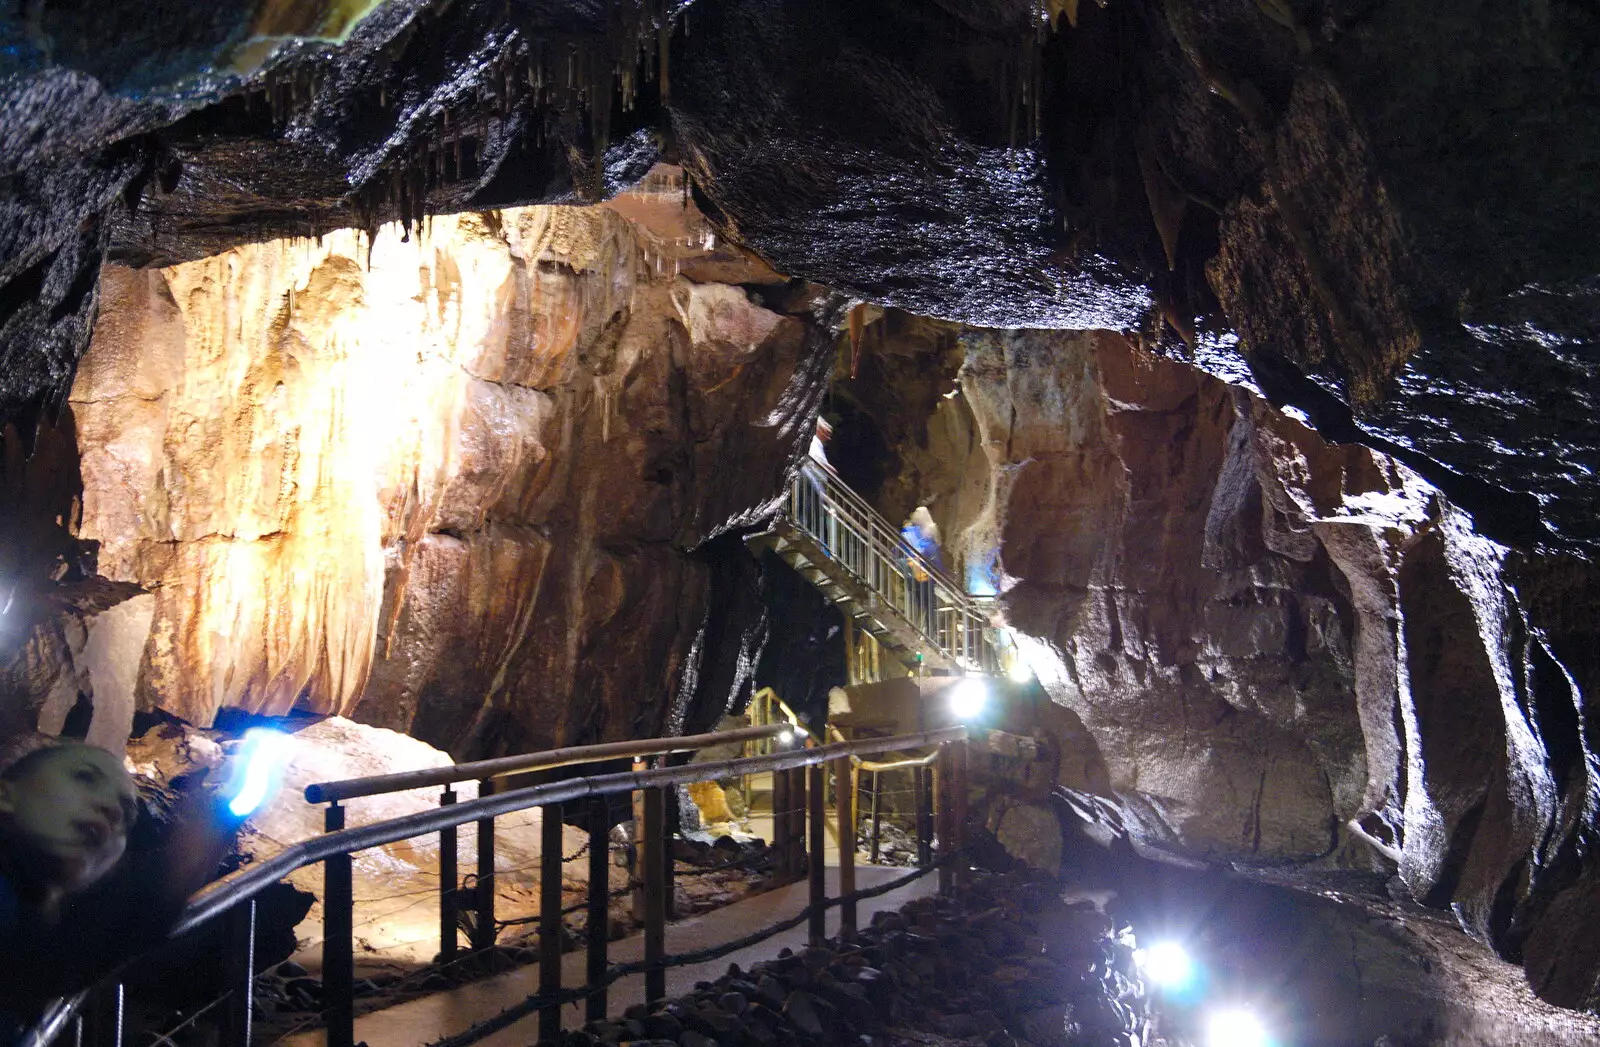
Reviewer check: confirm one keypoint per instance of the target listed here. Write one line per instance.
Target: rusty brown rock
(449, 484)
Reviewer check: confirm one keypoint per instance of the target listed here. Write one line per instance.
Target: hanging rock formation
(448, 484)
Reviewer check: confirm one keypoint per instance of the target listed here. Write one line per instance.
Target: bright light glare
(261, 759)
(1167, 964)
(1019, 672)
(787, 737)
(969, 698)
(1235, 1027)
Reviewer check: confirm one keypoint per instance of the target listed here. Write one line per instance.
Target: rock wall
(449, 484)
(1285, 651)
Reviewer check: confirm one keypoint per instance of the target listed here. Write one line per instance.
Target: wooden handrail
(242, 887)
(837, 737)
(377, 784)
(226, 893)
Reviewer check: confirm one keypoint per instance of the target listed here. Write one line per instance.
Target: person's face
(75, 809)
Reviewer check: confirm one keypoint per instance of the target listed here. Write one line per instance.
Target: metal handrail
(243, 886)
(226, 893)
(767, 694)
(861, 541)
(478, 770)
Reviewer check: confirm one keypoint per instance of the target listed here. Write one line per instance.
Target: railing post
(944, 798)
(483, 929)
(797, 826)
(550, 920)
(599, 912)
(844, 791)
(780, 825)
(877, 812)
(672, 819)
(962, 754)
(449, 883)
(655, 909)
(240, 957)
(338, 950)
(920, 782)
(817, 868)
(640, 871)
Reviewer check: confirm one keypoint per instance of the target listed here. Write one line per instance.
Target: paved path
(429, 1018)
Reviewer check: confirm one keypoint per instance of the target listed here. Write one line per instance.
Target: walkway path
(430, 1018)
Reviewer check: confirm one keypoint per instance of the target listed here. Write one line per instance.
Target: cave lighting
(969, 698)
(1019, 671)
(787, 737)
(1235, 1027)
(259, 769)
(1167, 964)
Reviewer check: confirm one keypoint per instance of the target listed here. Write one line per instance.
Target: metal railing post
(550, 920)
(640, 871)
(240, 957)
(671, 820)
(598, 931)
(924, 803)
(944, 800)
(780, 824)
(338, 948)
(877, 812)
(961, 765)
(817, 867)
(797, 824)
(845, 811)
(655, 909)
(483, 929)
(449, 884)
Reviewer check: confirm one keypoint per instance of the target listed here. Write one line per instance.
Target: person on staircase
(921, 537)
(827, 523)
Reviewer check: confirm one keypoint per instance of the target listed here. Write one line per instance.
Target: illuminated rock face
(447, 485)
(1268, 637)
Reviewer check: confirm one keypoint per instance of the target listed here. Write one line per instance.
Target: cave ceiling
(1385, 206)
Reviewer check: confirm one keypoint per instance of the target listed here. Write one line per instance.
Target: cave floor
(426, 1019)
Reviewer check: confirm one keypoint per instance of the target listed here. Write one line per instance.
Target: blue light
(260, 764)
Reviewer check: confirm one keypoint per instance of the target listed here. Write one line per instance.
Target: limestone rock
(447, 483)
(1031, 834)
(1280, 648)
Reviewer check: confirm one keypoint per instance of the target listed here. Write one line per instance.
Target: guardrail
(858, 538)
(234, 898)
(767, 708)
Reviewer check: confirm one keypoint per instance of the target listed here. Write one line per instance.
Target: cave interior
(430, 365)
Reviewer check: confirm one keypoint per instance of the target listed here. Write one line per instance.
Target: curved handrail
(838, 737)
(377, 784)
(226, 893)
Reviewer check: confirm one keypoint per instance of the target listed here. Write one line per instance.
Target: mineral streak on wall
(446, 482)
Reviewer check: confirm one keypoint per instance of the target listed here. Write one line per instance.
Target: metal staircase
(857, 559)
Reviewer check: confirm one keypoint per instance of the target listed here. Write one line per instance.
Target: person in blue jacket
(73, 906)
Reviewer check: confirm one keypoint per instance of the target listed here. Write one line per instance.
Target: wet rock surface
(1265, 648)
(1367, 195)
(1006, 963)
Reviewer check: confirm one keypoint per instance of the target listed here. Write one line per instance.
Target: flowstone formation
(448, 483)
